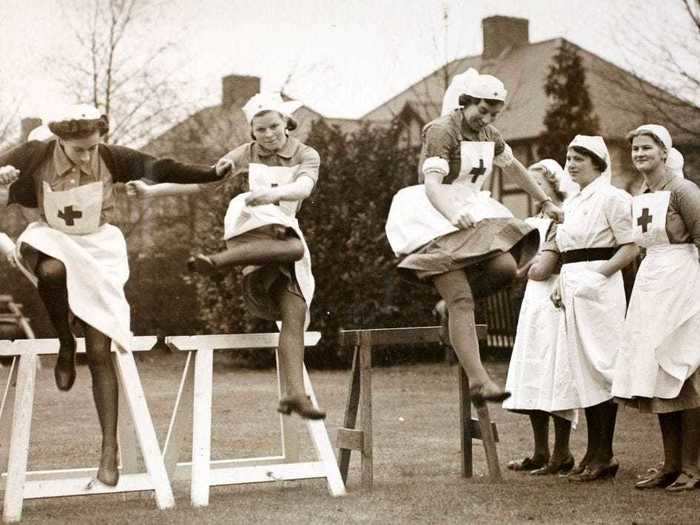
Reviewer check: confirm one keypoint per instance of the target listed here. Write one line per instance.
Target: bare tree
(663, 59)
(119, 68)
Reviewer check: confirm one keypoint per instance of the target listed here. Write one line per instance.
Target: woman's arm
(139, 189)
(298, 190)
(517, 172)
(543, 267)
(8, 175)
(623, 256)
(441, 200)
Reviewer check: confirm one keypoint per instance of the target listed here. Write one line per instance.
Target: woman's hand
(463, 219)
(553, 211)
(8, 175)
(555, 296)
(261, 197)
(138, 188)
(7, 248)
(224, 166)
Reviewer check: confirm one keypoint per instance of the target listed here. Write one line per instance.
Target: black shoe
(301, 405)
(660, 480)
(527, 464)
(595, 472)
(493, 393)
(559, 467)
(64, 371)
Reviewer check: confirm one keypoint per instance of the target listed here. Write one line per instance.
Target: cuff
(504, 159)
(435, 165)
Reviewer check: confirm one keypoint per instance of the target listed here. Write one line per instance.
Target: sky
(340, 57)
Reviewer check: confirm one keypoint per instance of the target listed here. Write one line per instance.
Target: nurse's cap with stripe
(78, 120)
(269, 102)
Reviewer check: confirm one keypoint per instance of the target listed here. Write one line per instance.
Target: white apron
(662, 330)
(536, 374)
(241, 218)
(95, 258)
(590, 330)
(413, 221)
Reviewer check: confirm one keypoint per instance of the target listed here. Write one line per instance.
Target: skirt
(689, 397)
(537, 374)
(260, 281)
(472, 246)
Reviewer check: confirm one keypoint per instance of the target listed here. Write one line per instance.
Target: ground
(417, 472)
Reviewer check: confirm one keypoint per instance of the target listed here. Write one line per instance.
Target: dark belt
(587, 254)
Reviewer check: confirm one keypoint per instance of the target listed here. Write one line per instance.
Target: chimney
(237, 89)
(26, 127)
(503, 32)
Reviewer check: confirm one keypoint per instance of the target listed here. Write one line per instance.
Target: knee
(99, 361)
(296, 249)
(460, 303)
(51, 272)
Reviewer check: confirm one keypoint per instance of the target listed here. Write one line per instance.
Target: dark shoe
(559, 467)
(595, 472)
(660, 480)
(200, 263)
(527, 463)
(108, 472)
(491, 392)
(686, 481)
(578, 469)
(301, 405)
(64, 371)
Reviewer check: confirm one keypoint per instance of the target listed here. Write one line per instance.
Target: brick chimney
(26, 127)
(237, 89)
(502, 32)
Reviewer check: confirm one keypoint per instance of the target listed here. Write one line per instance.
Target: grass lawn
(417, 473)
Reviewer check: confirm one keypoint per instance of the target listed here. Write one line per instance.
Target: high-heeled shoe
(555, 467)
(685, 481)
(595, 472)
(301, 405)
(659, 480)
(527, 464)
(488, 392)
(200, 263)
(64, 371)
(108, 471)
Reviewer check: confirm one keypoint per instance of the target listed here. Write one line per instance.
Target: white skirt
(661, 347)
(537, 374)
(97, 268)
(590, 333)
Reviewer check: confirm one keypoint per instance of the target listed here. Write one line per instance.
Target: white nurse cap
(269, 102)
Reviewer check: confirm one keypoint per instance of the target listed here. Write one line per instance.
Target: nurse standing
(454, 235)
(657, 368)
(535, 374)
(595, 242)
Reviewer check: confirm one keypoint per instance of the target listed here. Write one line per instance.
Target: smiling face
(581, 168)
(480, 115)
(647, 155)
(269, 130)
(81, 150)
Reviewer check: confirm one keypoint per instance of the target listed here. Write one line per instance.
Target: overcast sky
(344, 57)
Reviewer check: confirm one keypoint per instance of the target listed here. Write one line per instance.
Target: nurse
(454, 235)
(534, 373)
(657, 368)
(595, 242)
(74, 256)
(263, 235)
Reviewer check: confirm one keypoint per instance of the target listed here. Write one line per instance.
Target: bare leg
(494, 274)
(105, 391)
(455, 290)
(257, 251)
(51, 275)
(291, 352)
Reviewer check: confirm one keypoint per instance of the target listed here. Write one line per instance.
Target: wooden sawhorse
(195, 393)
(351, 438)
(20, 484)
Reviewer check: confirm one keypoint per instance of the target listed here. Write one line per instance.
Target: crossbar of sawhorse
(351, 438)
(20, 484)
(194, 398)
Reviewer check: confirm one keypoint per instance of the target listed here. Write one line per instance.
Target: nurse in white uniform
(657, 368)
(534, 373)
(595, 242)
